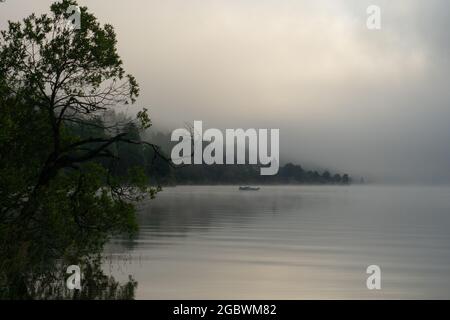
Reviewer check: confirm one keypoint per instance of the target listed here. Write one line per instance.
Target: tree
(58, 205)
(345, 179)
(337, 178)
(326, 176)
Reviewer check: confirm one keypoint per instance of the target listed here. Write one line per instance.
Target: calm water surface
(289, 242)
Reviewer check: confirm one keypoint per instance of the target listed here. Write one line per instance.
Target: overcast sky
(372, 103)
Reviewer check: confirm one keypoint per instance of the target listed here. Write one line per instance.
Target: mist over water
(345, 98)
(289, 242)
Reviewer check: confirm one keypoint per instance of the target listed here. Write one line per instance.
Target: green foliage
(60, 198)
(144, 119)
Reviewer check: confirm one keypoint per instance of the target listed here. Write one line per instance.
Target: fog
(368, 102)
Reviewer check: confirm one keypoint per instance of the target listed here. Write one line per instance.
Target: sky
(373, 103)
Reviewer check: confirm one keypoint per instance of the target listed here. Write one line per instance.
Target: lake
(289, 242)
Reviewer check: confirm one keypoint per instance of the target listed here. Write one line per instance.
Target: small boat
(248, 188)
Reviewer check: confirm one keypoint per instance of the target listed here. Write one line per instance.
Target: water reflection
(290, 242)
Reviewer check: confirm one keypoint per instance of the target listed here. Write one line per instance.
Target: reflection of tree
(178, 212)
(95, 284)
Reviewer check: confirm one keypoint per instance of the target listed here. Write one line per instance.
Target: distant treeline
(250, 174)
(159, 171)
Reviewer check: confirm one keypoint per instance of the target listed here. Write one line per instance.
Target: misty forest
(73, 166)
